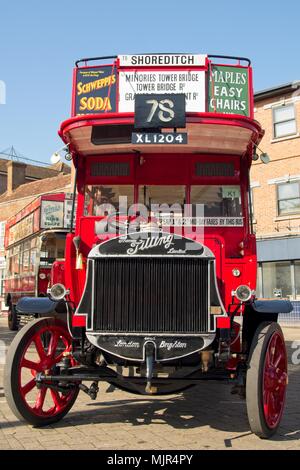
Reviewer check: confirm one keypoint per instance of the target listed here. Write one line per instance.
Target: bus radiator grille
(150, 295)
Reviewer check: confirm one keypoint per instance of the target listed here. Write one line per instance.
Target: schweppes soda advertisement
(95, 90)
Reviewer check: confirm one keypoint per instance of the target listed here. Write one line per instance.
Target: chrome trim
(151, 334)
(91, 339)
(84, 289)
(94, 253)
(208, 296)
(93, 297)
(68, 320)
(219, 298)
(208, 255)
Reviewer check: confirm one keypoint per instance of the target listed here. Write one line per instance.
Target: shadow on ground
(208, 403)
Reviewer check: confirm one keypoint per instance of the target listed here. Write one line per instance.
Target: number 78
(165, 106)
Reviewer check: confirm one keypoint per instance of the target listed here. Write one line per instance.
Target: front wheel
(266, 380)
(27, 356)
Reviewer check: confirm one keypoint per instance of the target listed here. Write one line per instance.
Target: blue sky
(39, 42)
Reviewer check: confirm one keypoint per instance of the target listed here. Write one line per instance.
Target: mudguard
(39, 305)
(261, 311)
(272, 306)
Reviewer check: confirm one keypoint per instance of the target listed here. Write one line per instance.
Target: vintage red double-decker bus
(160, 268)
(34, 239)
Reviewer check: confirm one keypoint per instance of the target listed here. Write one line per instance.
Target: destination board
(159, 60)
(191, 83)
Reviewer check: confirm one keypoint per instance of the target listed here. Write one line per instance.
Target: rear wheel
(266, 380)
(27, 356)
(12, 319)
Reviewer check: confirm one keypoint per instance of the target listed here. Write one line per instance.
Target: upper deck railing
(211, 83)
(210, 56)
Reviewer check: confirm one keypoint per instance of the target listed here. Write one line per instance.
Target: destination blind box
(157, 111)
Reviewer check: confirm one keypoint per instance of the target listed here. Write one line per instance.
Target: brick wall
(285, 160)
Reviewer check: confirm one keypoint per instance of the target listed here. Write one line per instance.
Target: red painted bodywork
(224, 242)
(169, 169)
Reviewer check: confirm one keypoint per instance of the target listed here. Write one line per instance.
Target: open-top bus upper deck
(218, 94)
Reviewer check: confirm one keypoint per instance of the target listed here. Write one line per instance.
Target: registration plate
(173, 138)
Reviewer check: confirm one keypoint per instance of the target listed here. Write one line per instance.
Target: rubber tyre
(255, 380)
(12, 319)
(11, 375)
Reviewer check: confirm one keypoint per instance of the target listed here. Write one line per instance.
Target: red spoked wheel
(38, 347)
(266, 380)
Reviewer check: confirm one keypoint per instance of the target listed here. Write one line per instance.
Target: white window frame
(286, 214)
(274, 108)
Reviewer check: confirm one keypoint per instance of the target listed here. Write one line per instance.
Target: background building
(14, 171)
(276, 192)
(22, 183)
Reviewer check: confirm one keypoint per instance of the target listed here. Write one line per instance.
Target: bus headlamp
(57, 292)
(243, 293)
(236, 272)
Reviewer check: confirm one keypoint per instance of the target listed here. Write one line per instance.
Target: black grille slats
(110, 169)
(216, 169)
(151, 295)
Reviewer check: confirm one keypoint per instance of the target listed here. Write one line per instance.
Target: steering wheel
(113, 224)
(122, 226)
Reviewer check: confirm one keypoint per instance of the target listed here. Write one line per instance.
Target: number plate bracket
(156, 138)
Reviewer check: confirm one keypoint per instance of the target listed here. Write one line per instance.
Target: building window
(284, 121)
(3, 183)
(277, 280)
(288, 198)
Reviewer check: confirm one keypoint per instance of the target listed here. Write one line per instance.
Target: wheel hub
(38, 359)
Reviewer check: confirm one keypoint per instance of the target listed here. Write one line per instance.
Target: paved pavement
(205, 417)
